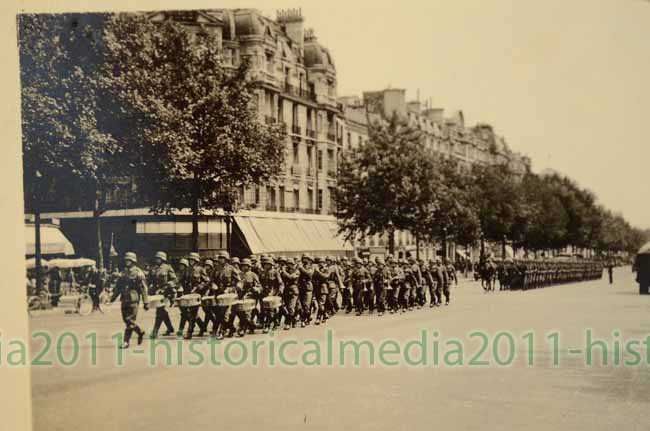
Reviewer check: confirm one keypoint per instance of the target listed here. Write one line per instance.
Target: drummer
(249, 288)
(272, 285)
(183, 288)
(162, 281)
(199, 283)
(225, 278)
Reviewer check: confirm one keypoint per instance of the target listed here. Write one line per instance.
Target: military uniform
(306, 289)
(225, 278)
(248, 288)
(290, 277)
(162, 279)
(272, 285)
(131, 288)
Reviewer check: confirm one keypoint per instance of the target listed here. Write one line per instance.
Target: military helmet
(305, 256)
(246, 261)
(265, 259)
(129, 255)
(194, 256)
(161, 255)
(329, 259)
(223, 254)
(209, 262)
(379, 260)
(183, 261)
(281, 259)
(358, 260)
(234, 260)
(290, 261)
(318, 259)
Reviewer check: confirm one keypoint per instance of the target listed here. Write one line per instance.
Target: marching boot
(127, 338)
(140, 333)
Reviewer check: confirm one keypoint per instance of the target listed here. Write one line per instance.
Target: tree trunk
(444, 249)
(503, 248)
(98, 230)
(195, 216)
(417, 247)
(37, 249)
(482, 256)
(391, 242)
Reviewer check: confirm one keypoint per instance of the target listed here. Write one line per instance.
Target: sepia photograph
(314, 215)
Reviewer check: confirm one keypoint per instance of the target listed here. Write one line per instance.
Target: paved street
(572, 396)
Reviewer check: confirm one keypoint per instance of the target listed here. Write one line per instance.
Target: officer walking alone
(131, 287)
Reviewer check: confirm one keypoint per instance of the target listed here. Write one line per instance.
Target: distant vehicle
(642, 267)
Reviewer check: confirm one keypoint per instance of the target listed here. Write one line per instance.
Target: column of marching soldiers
(230, 297)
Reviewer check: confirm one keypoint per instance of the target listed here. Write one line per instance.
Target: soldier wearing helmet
(290, 276)
(272, 285)
(248, 288)
(225, 277)
(162, 281)
(306, 288)
(381, 279)
(359, 281)
(131, 288)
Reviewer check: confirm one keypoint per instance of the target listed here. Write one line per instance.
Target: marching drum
(271, 302)
(189, 300)
(158, 301)
(209, 301)
(226, 299)
(244, 305)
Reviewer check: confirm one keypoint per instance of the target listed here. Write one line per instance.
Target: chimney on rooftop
(293, 23)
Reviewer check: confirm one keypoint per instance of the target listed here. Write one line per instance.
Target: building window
(228, 57)
(257, 195)
(360, 141)
(310, 198)
(349, 140)
(296, 199)
(319, 204)
(281, 193)
(296, 153)
(320, 160)
(331, 164)
(309, 159)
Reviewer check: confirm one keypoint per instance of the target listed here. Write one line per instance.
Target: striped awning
(53, 241)
(291, 235)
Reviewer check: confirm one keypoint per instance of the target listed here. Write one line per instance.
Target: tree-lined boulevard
(569, 396)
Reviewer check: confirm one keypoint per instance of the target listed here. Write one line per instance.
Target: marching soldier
(306, 289)
(249, 288)
(131, 288)
(346, 293)
(321, 281)
(335, 283)
(272, 285)
(381, 279)
(225, 278)
(290, 276)
(359, 279)
(162, 279)
(183, 288)
(198, 283)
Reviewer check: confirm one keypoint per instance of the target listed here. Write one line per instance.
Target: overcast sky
(565, 81)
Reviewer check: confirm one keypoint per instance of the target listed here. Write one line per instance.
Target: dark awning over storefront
(292, 235)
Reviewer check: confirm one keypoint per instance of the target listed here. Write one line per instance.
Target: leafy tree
(496, 197)
(200, 135)
(63, 113)
(382, 184)
(453, 217)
